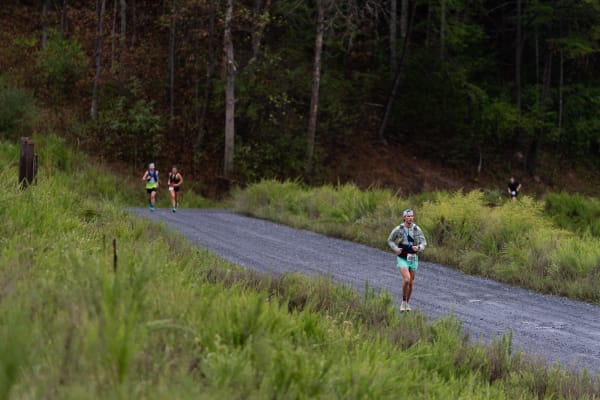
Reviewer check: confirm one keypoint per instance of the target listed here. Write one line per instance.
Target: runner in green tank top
(151, 178)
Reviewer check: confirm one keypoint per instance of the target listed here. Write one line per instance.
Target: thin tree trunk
(100, 8)
(64, 18)
(210, 67)
(398, 79)
(518, 57)
(316, 83)
(113, 36)
(443, 30)
(537, 56)
(229, 95)
(122, 44)
(393, 35)
(403, 18)
(561, 81)
(133, 23)
(172, 36)
(428, 25)
(261, 16)
(44, 24)
(532, 153)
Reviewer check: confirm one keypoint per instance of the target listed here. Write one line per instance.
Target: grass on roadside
(174, 321)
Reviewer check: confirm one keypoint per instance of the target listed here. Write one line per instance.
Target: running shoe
(151, 208)
(408, 307)
(403, 306)
(174, 209)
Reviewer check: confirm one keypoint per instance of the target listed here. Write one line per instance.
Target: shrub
(17, 112)
(62, 64)
(574, 211)
(128, 127)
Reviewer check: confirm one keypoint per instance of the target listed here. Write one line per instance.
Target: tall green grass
(574, 212)
(513, 242)
(168, 320)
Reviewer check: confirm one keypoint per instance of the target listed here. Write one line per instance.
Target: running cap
(151, 165)
(406, 212)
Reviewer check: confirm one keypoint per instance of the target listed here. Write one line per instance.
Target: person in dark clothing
(513, 188)
(174, 182)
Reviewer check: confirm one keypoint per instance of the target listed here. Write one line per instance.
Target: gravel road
(552, 327)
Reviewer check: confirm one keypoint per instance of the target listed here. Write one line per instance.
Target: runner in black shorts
(151, 179)
(174, 182)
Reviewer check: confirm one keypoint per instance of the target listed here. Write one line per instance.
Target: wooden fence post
(27, 163)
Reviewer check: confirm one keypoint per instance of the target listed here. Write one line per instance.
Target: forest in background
(244, 90)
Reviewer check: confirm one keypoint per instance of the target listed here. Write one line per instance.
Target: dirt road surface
(552, 327)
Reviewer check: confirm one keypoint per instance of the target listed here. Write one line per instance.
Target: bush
(128, 127)
(62, 64)
(574, 212)
(17, 112)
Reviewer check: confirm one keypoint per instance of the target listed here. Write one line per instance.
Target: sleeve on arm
(422, 240)
(392, 239)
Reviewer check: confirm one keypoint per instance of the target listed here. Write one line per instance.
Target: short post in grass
(114, 255)
(27, 163)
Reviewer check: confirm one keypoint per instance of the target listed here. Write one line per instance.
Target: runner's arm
(145, 176)
(421, 239)
(180, 179)
(394, 235)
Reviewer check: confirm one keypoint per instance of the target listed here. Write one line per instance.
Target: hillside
(132, 84)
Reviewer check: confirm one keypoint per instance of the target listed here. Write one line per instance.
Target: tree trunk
(210, 67)
(518, 58)
(428, 25)
(316, 82)
(261, 14)
(443, 30)
(122, 45)
(64, 18)
(561, 81)
(398, 79)
(45, 24)
(393, 35)
(537, 56)
(100, 8)
(404, 19)
(172, 37)
(532, 153)
(229, 95)
(133, 23)
(113, 36)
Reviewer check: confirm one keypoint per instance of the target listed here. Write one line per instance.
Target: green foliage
(574, 212)
(511, 242)
(18, 111)
(62, 64)
(129, 128)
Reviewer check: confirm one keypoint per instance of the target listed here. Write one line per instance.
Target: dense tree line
(259, 88)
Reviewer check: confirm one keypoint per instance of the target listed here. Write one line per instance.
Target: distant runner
(151, 178)
(406, 240)
(174, 182)
(514, 188)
